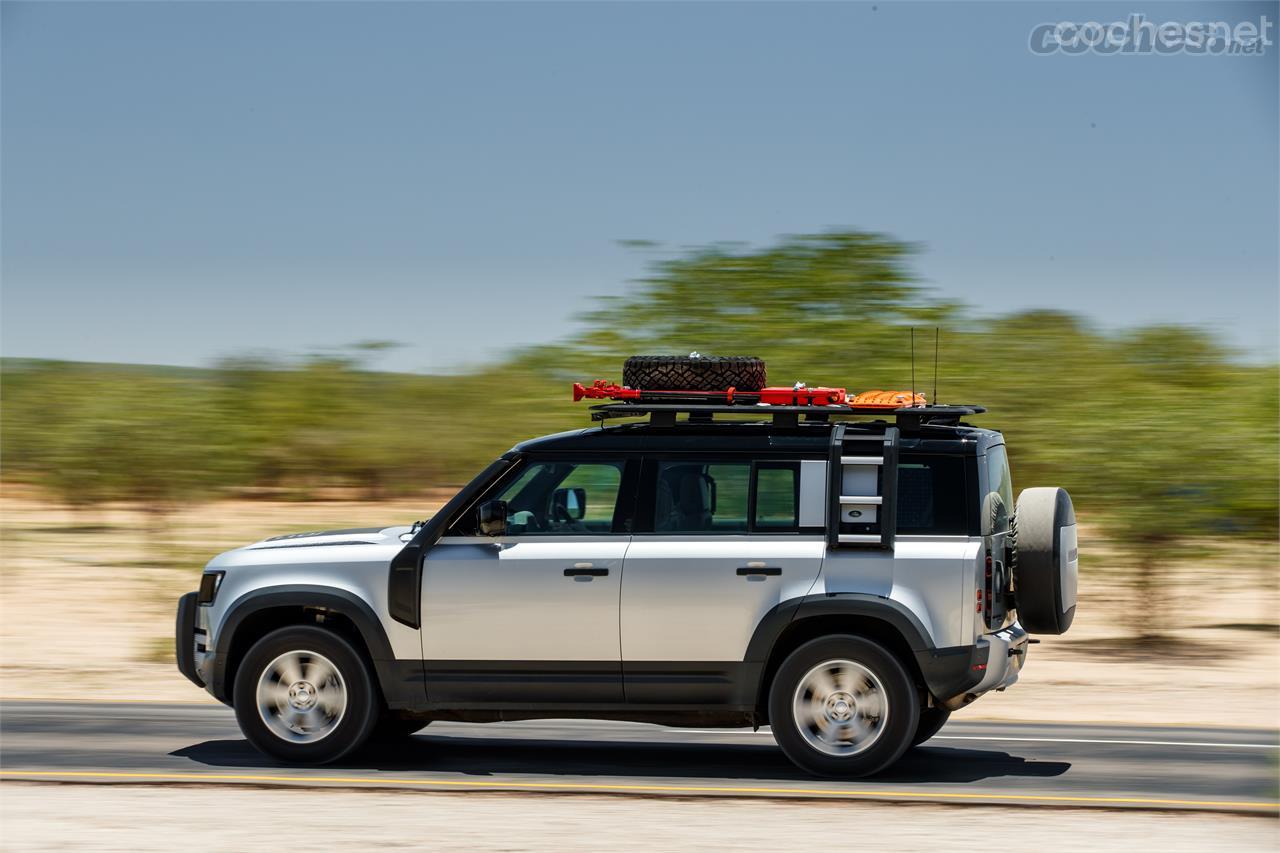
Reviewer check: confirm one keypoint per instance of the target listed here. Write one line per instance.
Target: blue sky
(187, 181)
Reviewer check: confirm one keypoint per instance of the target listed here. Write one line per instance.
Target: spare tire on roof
(693, 372)
(1045, 560)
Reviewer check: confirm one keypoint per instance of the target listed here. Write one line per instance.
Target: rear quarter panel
(932, 576)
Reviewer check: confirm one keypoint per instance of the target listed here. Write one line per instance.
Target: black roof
(729, 436)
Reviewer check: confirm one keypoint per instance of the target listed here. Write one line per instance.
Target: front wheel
(843, 706)
(305, 696)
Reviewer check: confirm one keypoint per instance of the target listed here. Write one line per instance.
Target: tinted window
(726, 497)
(696, 497)
(998, 479)
(777, 496)
(931, 495)
(562, 498)
(995, 516)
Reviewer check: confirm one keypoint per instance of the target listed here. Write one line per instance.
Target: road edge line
(725, 791)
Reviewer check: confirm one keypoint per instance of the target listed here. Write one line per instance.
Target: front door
(530, 616)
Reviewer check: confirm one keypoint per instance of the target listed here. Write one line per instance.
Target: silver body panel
(509, 599)
(682, 599)
(932, 576)
(317, 561)
(665, 597)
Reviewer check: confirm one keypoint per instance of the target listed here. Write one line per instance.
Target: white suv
(847, 582)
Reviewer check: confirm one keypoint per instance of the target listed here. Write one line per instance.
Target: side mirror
(492, 518)
(569, 503)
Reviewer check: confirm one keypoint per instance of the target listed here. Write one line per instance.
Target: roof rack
(909, 418)
(784, 404)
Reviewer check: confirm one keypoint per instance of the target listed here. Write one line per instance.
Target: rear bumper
(956, 676)
(952, 673)
(1007, 652)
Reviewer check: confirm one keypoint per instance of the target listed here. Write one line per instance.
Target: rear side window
(726, 497)
(777, 496)
(932, 495)
(999, 482)
(694, 497)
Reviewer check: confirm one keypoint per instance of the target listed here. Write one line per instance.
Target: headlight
(209, 584)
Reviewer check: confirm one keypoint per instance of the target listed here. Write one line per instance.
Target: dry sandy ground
(86, 612)
(100, 817)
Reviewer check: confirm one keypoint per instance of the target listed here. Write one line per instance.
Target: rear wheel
(931, 722)
(843, 706)
(305, 696)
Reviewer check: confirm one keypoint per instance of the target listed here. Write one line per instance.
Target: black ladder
(862, 488)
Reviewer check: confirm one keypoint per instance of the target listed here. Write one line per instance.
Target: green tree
(1162, 436)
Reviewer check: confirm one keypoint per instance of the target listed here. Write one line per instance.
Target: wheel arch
(794, 623)
(257, 613)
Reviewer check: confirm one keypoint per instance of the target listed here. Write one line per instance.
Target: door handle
(585, 571)
(747, 571)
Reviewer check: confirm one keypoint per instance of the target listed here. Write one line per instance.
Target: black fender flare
(852, 604)
(341, 601)
(946, 671)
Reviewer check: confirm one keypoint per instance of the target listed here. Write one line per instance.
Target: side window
(932, 495)
(777, 497)
(998, 474)
(695, 497)
(559, 498)
(995, 515)
(726, 497)
(597, 485)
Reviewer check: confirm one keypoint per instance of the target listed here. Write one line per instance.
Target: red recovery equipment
(797, 395)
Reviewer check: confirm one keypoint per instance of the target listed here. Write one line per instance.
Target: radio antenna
(913, 366)
(935, 366)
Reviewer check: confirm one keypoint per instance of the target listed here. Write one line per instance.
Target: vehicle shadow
(480, 756)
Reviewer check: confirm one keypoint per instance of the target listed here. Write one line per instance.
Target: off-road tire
(358, 720)
(688, 373)
(899, 724)
(1036, 561)
(931, 722)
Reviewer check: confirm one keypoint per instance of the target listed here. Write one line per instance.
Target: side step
(863, 489)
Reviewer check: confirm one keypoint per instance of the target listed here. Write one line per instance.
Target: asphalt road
(968, 762)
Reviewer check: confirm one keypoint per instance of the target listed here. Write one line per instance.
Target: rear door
(532, 616)
(719, 542)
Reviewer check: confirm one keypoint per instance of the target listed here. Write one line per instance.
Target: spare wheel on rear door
(1045, 560)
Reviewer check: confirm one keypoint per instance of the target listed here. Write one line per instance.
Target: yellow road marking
(12, 775)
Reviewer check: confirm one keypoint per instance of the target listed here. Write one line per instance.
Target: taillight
(986, 599)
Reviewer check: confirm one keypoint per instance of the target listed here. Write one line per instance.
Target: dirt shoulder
(108, 817)
(86, 613)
